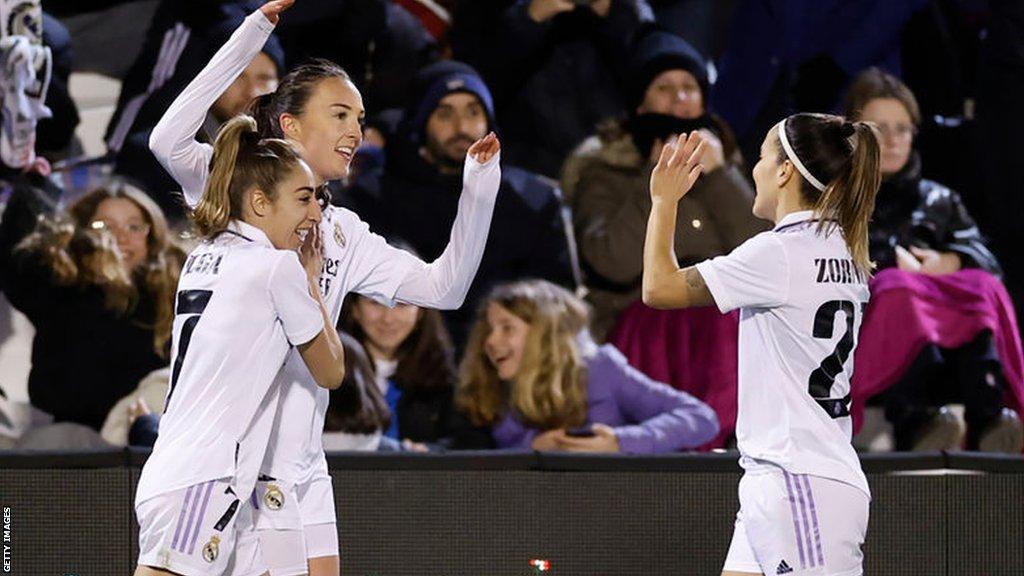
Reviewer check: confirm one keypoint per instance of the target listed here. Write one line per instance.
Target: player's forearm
(444, 283)
(660, 264)
(336, 352)
(173, 138)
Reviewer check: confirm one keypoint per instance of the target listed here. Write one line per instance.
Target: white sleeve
(289, 289)
(443, 283)
(754, 275)
(173, 140)
(376, 268)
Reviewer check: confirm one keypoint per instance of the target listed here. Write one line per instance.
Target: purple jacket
(649, 417)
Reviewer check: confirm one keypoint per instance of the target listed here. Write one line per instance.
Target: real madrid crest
(274, 497)
(339, 236)
(212, 549)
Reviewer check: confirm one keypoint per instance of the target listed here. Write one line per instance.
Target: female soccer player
(318, 108)
(801, 289)
(244, 300)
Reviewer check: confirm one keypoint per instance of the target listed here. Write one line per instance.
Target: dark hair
(426, 359)
(292, 94)
(241, 162)
(845, 157)
(873, 84)
(357, 406)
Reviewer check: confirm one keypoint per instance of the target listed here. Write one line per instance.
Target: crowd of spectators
(552, 349)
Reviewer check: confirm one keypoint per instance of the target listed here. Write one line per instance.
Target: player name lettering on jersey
(838, 271)
(203, 263)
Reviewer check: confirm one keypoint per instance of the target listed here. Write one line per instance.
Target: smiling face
(129, 225)
(294, 210)
(506, 341)
(329, 129)
(675, 93)
(385, 328)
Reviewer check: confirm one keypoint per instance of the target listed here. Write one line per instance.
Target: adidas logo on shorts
(783, 568)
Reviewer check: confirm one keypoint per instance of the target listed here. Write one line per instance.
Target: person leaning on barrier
(532, 373)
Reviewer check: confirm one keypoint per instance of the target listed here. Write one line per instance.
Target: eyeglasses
(897, 132)
(134, 229)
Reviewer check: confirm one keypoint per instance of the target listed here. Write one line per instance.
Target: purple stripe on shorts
(814, 517)
(191, 517)
(254, 500)
(202, 514)
(796, 520)
(803, 515)
(181, 517)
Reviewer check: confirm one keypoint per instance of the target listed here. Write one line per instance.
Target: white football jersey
(801, 302)
(241, 305)
(355, 259)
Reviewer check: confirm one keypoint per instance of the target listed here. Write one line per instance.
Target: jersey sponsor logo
(838, 271)
(328, 273)
(204, 263)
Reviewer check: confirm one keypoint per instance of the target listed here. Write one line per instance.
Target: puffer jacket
(914, 211)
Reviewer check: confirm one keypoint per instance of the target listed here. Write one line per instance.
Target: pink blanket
(696, 350)
(909, 310)
(693, 350)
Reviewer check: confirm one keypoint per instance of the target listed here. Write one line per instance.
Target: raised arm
(665, 285)
(173, 140)
(443, 283)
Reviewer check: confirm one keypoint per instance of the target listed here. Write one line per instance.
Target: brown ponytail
(851, 196)
(846, 156)
(241, 162)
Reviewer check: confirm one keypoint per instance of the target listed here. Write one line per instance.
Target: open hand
(273, 9)
(678, 167)
(485, 148)
(311, 254)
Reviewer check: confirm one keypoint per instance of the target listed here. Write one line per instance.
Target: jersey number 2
(824, 376)
(191, 303)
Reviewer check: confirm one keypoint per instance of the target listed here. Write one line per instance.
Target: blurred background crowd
(553, 349)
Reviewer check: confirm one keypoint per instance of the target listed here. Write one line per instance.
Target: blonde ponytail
(218, 206)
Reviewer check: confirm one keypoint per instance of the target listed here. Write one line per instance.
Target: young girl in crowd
(533, 374)
(318, 108)
(413, 362)
(98, 288)
(244, 300)
(801, 289)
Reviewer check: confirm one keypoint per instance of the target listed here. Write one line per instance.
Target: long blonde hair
(550, 390)
(81, 256)
(242, 161)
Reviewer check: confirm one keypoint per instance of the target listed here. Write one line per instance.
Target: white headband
(796, 161)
